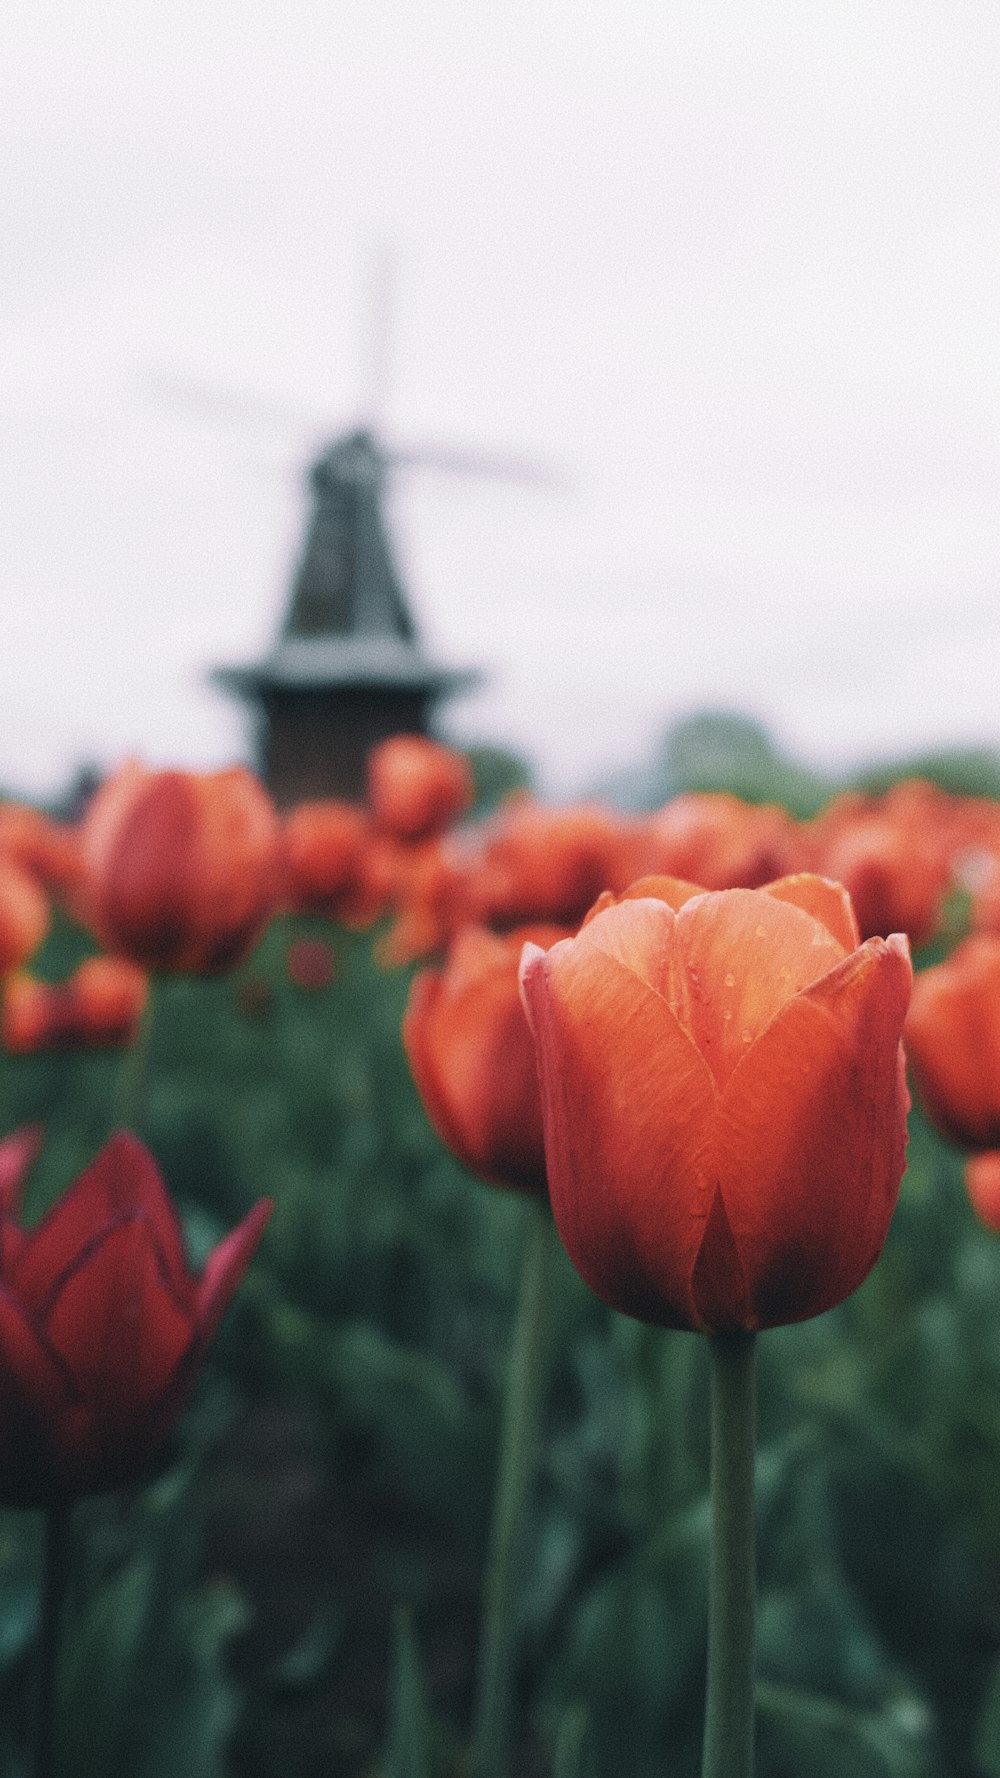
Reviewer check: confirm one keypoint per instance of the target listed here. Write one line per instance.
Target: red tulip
(100, 1006)
(310, 963)
(953, 1042)
(472, 1058)
(102, 1326)
(724, 1101)
(180, 868)
(416, 787)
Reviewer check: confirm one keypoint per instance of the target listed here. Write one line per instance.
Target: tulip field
(394, 1202)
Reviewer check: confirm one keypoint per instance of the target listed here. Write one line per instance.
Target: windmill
(347, 667)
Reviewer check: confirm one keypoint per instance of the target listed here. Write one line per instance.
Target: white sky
(733, 268)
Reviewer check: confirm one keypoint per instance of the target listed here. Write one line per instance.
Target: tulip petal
(122, 1181)
(18, 1154)
(118, 1327)
(675, 891)
(811, 1135)
(224, 1268)
(738, 957)
(827, 902)
(628, 1105)
(982, 1182)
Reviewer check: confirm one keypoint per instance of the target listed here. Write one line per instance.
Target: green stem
(133, 1078)
(54, 1582)
(728, 1748)
(494, 1713)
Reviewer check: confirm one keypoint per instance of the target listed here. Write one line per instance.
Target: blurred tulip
(724, 1101)
(473, 1060)
(310, 963)
(46, 850)
(99, 1007)
(417, 787)
(323, 853)
(721, 842)
(893, 854)
(953, 1042)
(433, 894)
(982, 1182)
(539, 863)
(24, 916)
(181, 869)
(102, 1327)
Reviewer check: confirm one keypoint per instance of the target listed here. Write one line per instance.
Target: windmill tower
(347, 668)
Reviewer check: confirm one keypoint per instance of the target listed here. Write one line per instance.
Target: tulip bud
(724, 1101)
(99, 1007)
(102, 1326)
(953, 1042)
(472, 1058)
(180, 868)
(416, 787)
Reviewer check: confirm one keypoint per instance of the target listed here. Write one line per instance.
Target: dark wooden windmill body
(347, 668)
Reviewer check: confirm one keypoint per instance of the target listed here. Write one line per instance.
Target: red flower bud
(102, 1326)
(472, 1058)
(982, 1182)
(953, 1042)
(416, 787)
(99, 1007)
(724, 1101)
(310, 963)
(24, 915)
(323, 847)
(180, 867)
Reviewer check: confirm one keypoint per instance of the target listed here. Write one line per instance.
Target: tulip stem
(56, 1575)
(134, 1074)
(493, 1717)
(729, 1715)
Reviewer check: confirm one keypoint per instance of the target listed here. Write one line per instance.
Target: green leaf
(820, 1738)
(407, 1753)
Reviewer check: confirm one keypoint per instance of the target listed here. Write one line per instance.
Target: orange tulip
(180, 868)
(540, 863)
(472, 1057)
(47, 850)
(724, 1101)
(953, 1042)
(323, 847)
(433, 893)
(721, 842)
(24, 915)
(99, 1007)
(982, 1182)
(416, 787)
(893, 854)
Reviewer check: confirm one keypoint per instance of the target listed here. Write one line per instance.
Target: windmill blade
(497, 465)
(232, 406)
(379, 328)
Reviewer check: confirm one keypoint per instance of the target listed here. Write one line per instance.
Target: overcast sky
(732, 269)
